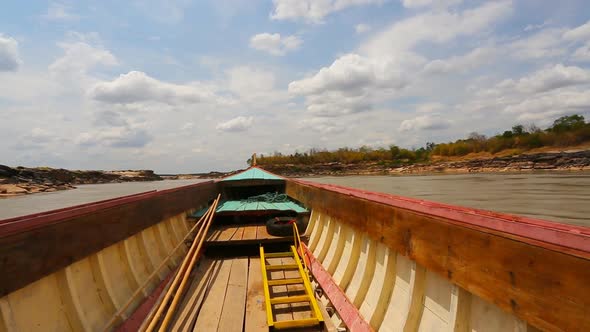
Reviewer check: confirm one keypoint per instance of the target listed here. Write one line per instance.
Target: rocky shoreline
(559, 161)
(210, 175)
(24, 180)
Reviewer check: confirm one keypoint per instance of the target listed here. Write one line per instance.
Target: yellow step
(290, 299)
(280, 282)
(296, 323)
(282, 267)
(278, 254)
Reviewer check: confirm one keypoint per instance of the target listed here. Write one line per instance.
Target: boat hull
(412, 265)
(74, 269)
(382, 262)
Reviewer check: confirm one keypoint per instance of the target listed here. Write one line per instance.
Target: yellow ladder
(316, 318)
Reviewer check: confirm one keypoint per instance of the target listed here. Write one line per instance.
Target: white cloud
(462, 63)
(9, 57)
(543, 44)
(79, 58)
(582, 54)
(59, 12)
(552, 78)
(539, 97)
(36, 138)
(436, 27)
(424, 122)
(321, 125)
(313, 11)
(581, 33)
(347, 86)
(136, 87)
(188, 126)
(169, 11)
(432, 107)
(116, 137)
(249, 81)
(543, 80)
(362, 28)
(237, 124)
(427, 3)
(350, 72)
(387, 63)
(548, 106)
(274, 44)
(532, 27)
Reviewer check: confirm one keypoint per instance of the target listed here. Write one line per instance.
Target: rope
(268, 198)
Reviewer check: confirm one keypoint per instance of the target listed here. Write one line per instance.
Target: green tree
(567, 123)
(394, 150)
(518, 130)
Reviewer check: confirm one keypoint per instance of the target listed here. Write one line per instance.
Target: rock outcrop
(23, 180)
(561, 161)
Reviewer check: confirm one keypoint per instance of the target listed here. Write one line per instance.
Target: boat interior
(258, 252)
(226, 289)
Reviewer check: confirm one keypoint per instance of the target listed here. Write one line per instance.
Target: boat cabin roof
(252, 173)
(250, 206)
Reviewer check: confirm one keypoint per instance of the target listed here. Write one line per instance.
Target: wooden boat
(376, 262)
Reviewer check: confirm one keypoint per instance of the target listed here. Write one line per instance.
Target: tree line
(565, 131)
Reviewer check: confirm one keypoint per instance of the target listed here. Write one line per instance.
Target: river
(562, 197)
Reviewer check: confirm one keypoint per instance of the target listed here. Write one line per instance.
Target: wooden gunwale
(68, 208)
(538, 279)
(36, 220)
(554, 236)
(37, 246)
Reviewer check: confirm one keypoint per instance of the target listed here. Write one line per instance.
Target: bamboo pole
(110, 323)
(181, 270)
(187, 273)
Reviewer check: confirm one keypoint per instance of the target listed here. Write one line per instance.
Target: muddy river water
(562, 197)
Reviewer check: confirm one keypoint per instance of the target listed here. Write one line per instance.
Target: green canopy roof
(236, 206)
(253, 173)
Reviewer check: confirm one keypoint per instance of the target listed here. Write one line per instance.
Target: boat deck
(242, 234)
(227, 295)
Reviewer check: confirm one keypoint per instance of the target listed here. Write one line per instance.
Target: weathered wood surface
(29, 254)
(255, 317)
(234, 305)
(242, 234)
(537, 282)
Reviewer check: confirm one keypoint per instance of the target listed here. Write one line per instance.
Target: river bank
(551, 161)
(29, 180)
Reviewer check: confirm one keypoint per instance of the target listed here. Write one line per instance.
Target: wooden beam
(32, 248)
(543, 283)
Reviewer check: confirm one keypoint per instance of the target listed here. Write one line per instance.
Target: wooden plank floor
(227, 295)
(242, 234)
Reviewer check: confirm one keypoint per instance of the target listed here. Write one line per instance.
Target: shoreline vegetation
(564, 146)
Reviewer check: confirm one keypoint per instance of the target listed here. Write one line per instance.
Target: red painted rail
(541, 231)
(28, 222)
(349, 314)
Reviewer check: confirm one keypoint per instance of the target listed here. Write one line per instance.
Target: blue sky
(188, 86)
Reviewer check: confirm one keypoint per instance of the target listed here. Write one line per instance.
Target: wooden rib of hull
(86, 294)
(393, 293)
(407, 271)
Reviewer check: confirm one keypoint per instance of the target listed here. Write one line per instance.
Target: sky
(182, 86)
